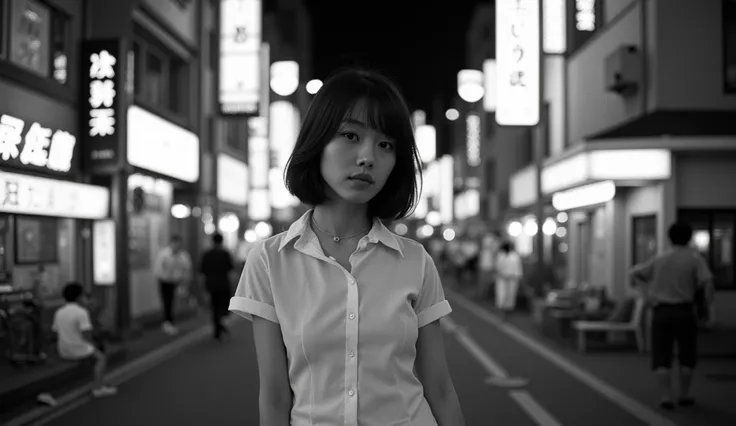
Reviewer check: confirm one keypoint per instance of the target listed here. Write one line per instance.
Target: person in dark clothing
(671, 281)
(217, 263)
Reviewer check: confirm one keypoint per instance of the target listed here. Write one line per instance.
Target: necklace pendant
(336, 239)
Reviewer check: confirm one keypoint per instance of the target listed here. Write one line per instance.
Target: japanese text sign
(518, 62)
(102, 68)
(27, 143)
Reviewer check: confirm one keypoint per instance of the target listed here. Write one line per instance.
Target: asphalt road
(216, 383)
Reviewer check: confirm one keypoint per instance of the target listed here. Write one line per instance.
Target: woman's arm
(432, 371)
(274, 398)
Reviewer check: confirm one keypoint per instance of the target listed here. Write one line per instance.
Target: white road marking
(638, 410)
(532, 407)
(527, 403)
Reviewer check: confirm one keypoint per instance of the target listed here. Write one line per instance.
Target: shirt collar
(379, 233)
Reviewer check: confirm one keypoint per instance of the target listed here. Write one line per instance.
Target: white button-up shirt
(350, 338)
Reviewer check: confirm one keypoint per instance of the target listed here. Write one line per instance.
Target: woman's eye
(350, 136)
(386, 145)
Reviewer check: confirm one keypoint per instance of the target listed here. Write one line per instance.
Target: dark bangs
(386, 111)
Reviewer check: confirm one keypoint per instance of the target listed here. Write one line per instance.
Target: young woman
(343, 310)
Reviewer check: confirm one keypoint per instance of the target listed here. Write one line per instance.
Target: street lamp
(470, 85)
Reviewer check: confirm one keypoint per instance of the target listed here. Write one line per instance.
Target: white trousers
(506, 293)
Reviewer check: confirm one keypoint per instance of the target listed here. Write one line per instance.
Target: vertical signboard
(102, 65)
(103, 242)
(240, 69)
(584, 17)
(518, 62)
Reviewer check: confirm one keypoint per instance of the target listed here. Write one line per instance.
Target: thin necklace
(337, 239)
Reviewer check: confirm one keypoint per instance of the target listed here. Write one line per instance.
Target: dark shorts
(674, 324)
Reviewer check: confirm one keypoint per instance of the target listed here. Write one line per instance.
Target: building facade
(649, 106)
(48, 208)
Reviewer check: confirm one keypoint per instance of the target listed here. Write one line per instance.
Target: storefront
(45, 217)
(621, 202)
(165, 158)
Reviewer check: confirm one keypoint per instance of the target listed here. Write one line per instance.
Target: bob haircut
(387, 112)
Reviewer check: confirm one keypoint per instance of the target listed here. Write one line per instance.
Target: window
(713, 237)
(644, 238)
(35, 37)
(161, 77)
(729, 45)
(36, 240)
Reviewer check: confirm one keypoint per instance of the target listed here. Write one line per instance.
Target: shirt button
(352, 281)
(352, 316)
(351, 392)
(352, 354)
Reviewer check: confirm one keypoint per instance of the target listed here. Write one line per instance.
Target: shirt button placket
(351, 347)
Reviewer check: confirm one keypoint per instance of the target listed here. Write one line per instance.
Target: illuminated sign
(588, 195)
(32, 144)
(232, 180)
(584, 18)
(23, 194)
(517, 62)
(101, 93)
(102, 65)
(240, 68)
(614, 164)
(161, 146)
(426, 139)
(259, 154)
(473, 139)
(103, 252)
(489, 85)
(585, 15)
(555, 41)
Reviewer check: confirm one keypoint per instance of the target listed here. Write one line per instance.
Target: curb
(116, 377)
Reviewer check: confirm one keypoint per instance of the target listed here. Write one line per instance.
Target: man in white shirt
(173, 270)
(74, 329)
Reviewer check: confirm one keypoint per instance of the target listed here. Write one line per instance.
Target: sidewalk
(20, 386)
(629, 371)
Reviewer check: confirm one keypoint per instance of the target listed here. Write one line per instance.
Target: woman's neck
(342, 219)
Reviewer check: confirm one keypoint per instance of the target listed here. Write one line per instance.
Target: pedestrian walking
(173, 270)
(216, 266)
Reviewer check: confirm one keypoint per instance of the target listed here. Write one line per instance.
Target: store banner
(102, 111)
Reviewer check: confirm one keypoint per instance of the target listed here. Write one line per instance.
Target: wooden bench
(634, 325)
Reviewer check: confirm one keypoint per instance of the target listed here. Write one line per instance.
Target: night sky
(419, 43)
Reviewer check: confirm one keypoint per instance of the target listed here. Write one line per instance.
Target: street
(216, 383)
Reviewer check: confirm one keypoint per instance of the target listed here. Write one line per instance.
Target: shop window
(729, 45)
(713, 237)
(35, 37)
(36, 240)
(644, 238)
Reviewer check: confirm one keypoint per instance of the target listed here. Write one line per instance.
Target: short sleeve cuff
(246, 308)
(433, 313)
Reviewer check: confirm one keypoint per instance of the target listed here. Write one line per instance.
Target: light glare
(313, 86)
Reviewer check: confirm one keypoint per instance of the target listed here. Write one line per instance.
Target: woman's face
(358, 160)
